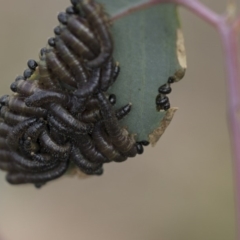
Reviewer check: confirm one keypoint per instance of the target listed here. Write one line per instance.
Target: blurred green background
(180, 190)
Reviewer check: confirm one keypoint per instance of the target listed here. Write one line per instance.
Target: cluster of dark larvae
(162, 101)
(60, 112)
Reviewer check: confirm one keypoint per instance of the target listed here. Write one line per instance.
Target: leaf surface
(149, 47)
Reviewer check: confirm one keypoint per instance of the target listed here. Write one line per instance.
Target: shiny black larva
(162, 101)
(61, 113)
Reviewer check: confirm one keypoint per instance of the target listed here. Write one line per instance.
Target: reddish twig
(227, 27)
(237, 24)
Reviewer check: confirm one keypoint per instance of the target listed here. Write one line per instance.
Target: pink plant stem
(237, 24)
(228, 32)
(229, 40)
(193, 5)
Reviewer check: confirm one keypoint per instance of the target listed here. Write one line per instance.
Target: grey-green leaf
(149, 47)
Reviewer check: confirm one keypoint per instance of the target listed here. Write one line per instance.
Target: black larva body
(61, 111)
(162, 101)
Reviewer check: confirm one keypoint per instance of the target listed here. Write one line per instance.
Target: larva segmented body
(61, 111)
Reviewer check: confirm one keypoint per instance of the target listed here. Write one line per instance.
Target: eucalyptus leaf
(149, 47)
